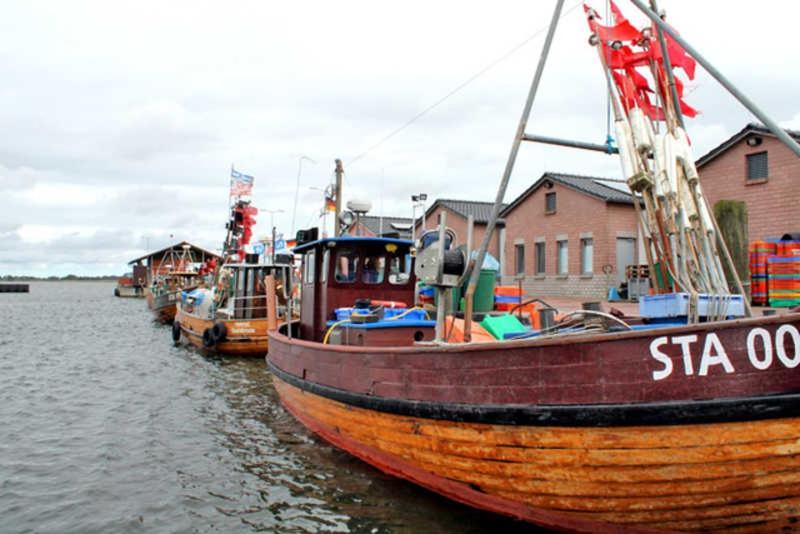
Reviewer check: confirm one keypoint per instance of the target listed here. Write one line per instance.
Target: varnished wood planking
(577, 451)
(714, 498)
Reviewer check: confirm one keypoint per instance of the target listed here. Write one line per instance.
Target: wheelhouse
(336, 272)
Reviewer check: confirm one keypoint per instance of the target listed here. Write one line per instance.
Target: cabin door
(626, 255)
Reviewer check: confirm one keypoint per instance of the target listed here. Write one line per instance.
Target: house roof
(605, 189)
(177, 247)
(373, 223)
(480, 211)
(751, 128)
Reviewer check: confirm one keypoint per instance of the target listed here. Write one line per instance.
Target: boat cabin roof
(350, 240)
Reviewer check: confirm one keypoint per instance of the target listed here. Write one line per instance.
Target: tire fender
(176, 331)
(208, 338)
(219, 331)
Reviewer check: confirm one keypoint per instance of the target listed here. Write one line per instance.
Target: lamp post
(297, 188)
(416, 202)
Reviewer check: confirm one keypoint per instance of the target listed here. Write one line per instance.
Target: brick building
(755, 167)
(458, 212)
(569, 235)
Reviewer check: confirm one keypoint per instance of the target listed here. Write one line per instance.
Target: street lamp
(416, 202)
(297, 188)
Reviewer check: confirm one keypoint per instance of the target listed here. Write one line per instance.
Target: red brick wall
(576, 214)
(773, 205)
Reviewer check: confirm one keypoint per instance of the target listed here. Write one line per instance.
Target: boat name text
(762, 351)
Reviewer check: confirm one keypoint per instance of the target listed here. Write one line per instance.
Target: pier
(15, 288)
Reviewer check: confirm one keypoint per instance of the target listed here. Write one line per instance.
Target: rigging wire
(459, 87)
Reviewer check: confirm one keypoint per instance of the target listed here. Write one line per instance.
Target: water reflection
(109, 426)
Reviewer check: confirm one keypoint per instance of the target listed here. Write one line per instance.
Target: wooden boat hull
(129, 292)
(245, 337)
(164, 306)
(679, 458)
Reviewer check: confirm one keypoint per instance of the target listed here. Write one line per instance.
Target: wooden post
(339, 172)
(272, 312)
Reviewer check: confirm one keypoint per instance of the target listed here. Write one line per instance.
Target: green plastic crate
(499, 325)
(784, 303)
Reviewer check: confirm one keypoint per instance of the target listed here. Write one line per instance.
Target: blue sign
(258, 248)
(280, 244)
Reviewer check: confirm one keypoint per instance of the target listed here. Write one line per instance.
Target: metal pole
(339, 172)
(413, 221)
(717, 75)
(606, 149)
(441, 292)
(676, 103)
(512, 158)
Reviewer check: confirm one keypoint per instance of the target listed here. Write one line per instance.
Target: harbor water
(105, 425)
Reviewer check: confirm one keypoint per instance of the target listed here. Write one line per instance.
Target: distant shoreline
(68, 278)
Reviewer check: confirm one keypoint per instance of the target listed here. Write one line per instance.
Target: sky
(121, 121)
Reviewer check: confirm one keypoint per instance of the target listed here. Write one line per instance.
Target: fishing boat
(176, 272)
(228, 314)
(684, 418)
(128, 287)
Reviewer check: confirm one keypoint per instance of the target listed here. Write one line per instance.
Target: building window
(519, 258)
(587, 256)
(540, 258)
(757, 167)
(562, 257)
(550, 203)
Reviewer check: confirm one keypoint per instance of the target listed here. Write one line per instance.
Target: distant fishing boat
(229, 315)
(128, 287)
(685, 418)
(176, 272)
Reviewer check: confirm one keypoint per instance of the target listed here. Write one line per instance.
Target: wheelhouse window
(563, 256)
(587, 256)
(540, 259)
(309, 267)
(346, 266)
(519, 258)
(400, 269)
(374, 267)
(326, 260)
(550, 203)
(757, 166)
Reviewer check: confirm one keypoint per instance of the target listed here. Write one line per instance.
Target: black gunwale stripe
(727, 410)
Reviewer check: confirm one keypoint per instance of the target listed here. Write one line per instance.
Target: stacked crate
(760, 251)
(783, 275)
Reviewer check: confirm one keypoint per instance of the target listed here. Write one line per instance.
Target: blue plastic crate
(677, 305)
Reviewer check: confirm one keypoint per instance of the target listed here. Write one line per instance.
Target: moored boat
(599, 423)
(231, 317)
(677, 428)
(127, 287)
(178, 270)
(229, 314)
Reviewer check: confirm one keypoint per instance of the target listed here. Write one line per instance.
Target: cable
(459, 87)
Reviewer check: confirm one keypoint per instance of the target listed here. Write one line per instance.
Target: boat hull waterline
(676, 459)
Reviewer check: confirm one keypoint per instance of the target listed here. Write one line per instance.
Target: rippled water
(106, 426)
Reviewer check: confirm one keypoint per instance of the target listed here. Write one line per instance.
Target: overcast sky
(120, 120)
